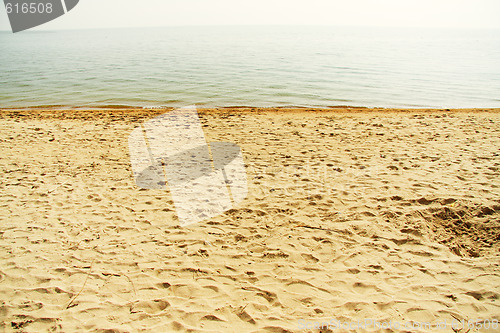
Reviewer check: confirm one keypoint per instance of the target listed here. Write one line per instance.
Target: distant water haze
(256, 66)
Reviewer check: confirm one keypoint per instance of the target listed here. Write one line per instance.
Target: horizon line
(263, 25)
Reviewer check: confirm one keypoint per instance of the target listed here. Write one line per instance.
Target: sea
(262, 66)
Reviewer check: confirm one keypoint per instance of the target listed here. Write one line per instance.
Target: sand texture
(352, 214)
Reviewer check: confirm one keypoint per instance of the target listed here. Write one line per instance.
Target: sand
(352, 214)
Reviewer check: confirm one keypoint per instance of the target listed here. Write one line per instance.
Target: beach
(353, 215)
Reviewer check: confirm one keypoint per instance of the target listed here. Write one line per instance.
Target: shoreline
(239, 107)
(84, 112)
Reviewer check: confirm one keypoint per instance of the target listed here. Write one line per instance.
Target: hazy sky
(143, 13)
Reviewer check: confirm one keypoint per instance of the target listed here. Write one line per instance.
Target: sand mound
(469, 229)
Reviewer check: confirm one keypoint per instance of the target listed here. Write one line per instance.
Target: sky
(392, 13)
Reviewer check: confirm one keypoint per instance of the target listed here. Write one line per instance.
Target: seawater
(256, 66)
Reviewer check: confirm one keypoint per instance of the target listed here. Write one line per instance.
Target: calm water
(258, 66)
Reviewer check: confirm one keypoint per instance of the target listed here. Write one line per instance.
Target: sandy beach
(353, 215)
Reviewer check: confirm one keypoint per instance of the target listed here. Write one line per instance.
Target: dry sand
(352, 214)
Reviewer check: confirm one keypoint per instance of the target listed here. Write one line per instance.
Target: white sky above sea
(95, 14)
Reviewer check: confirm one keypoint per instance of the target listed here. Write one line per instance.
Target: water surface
(258, 66)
